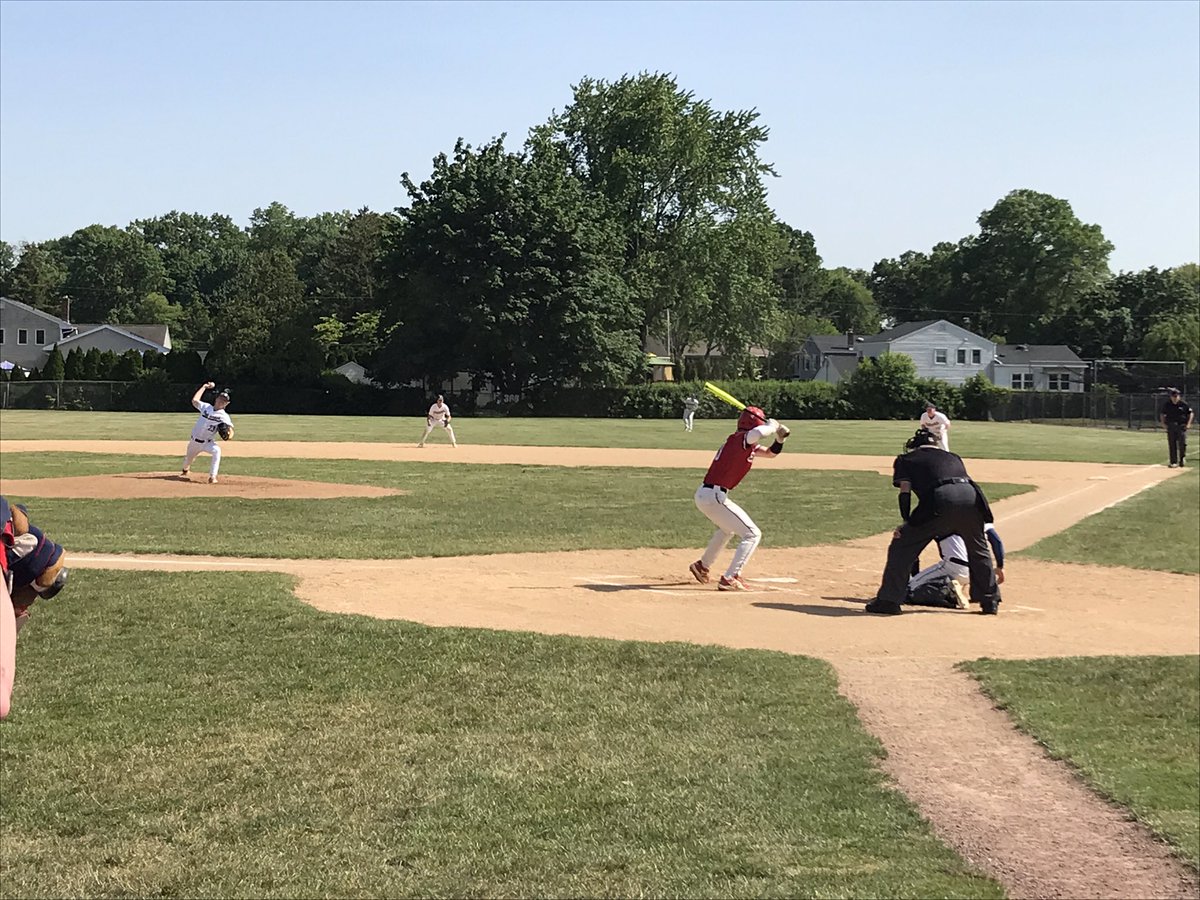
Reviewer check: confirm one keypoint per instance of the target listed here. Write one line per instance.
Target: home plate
(775, 580)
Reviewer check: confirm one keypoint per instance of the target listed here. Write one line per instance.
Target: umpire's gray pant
(958, 512)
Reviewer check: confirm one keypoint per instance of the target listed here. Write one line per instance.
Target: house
(948, 352)
(27, 336)
(25, 333)
(1038, 367)
(826, 357)
(662, 368)
(698, 355)
(354, 372)
(940, 349)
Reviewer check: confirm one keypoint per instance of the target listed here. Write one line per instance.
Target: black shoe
(989, 607)
(883, 608)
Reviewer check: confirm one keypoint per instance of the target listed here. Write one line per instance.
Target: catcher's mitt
(225, 430)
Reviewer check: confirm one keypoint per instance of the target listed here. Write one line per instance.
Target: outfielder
(937, 424)
(731, 464)
(946, 583)
(690, 405)
(213, 422)
(438, 415)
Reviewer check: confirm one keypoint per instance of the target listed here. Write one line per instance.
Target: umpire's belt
(946, 481)
(716, 487)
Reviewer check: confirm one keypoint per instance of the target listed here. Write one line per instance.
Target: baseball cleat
(183, 474)
(212, 479)
(699, 572)
(732, 584)
(882, 608)
(960, 596)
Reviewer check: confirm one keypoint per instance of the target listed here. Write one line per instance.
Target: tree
(55, 368)
(200, 254)
(128, 366)
(346, 277)
(1175, 337)
(883, 387)
(799, 276)
(92, 363)
(38, 276)
(73, 367)
(847, 304)
(106, 268)
(665, 165)
(918, 286)
(17, 374)
(503, 266)
(1031, 262)
(8, 261)
(264, 330)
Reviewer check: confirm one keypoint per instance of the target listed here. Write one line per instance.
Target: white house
(1037, 367)
(27, 336)
(940, 349)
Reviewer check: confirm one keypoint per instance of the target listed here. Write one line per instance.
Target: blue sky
(893, 125)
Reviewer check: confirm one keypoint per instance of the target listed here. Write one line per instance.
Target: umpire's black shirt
(925, 468)
(1176, 413)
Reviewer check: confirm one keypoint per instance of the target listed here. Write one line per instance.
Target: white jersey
(935, 424)
(691, 404)
(205, 428)
(439, 411)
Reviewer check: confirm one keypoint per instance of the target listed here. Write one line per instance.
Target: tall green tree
(108, 267)
(666, 165)
(200, 253)
(264, 330)
(918, 286)
(346, 277)
(1032, 261)
(847, 303)
(55, 368)
(504, 267)
(38, 277)
(8, 261)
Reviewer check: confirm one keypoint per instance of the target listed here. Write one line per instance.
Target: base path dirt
(143, 485)
(989, 791)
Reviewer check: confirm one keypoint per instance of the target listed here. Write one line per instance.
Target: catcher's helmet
(751, 417)
(922, 438)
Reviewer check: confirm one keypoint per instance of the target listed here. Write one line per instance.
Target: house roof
(35, 311)
(841, 364)
(831, 343)
(159, 334)
(1037, 354)
(92, 329)
(902, 330)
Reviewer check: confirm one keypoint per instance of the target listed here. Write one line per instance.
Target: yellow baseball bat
(724, 395)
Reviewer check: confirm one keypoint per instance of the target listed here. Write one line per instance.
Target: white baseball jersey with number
(438, 413)
(938, 425)
(205, 428)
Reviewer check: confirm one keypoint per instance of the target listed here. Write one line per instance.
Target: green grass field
(173, 737)
(1130, 725)
(981, 440)
(453, 509)
(1157, 529)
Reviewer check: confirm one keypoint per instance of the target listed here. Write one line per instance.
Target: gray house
(1038, 367)
(939, 348)
(826, 357)
(27, 336)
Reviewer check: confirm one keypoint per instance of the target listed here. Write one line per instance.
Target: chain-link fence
(1098, 408)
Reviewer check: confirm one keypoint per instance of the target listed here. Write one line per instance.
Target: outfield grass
(1157, 529)
(184, 735)
(453, 509)
(1130, 725)
(980, 440)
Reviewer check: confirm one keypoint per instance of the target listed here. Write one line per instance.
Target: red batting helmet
(751, 417)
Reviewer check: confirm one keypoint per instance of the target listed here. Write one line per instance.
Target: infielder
(937, 424)
(438, 415)
(946, 582)
(213, 422)
(731, 464)
(690, 405)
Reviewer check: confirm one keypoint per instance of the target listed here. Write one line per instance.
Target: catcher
(438, 415)
(32, 568)
(213, 421)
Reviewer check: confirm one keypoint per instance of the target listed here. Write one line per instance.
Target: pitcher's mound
(143, 485)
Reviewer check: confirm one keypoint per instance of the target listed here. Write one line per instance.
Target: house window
(976, 356)
(22, 336)
(962, 356)
(1022, 382)
(39, 336)
(1059, 382)
(939, 357)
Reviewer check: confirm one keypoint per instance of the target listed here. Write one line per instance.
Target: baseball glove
(225, 430)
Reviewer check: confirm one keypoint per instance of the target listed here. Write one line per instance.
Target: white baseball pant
(731, 521)
(195, 448)
(430, 424)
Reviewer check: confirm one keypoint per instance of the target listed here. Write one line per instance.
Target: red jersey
(732, 462)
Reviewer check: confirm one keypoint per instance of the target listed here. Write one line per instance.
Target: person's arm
(1191, 418)
(769, 428)
(200, 393)
(997, 551)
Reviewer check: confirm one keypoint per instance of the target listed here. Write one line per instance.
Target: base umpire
(950, 503)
